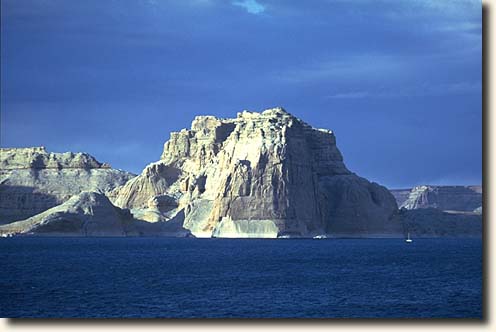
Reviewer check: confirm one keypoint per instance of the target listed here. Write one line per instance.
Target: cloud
(251, 6)
(453, 6)
(352, 67)
(474, 27)
(419, 90)
(350, 95)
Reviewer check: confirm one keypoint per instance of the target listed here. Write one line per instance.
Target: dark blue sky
(399, 82)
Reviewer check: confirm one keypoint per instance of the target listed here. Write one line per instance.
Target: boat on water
(408, 240)
(320, 237)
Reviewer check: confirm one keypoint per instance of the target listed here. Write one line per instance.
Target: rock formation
(33, 180)
(445, 198)
(401, 195)
(89, 214)
(441, 211)
(431, 222)
(263, 174)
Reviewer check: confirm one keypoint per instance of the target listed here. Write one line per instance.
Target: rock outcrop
(401, 195)
(431, 222)
(263, 174)
(444, 198)
(33, 180)
(89, 214)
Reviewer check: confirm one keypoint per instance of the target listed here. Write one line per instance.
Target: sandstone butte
(258, 175)
(263, 174)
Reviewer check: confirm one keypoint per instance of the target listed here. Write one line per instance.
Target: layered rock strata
(441, 211)
(89, 214)
(33, 180)
(263, 174)
(445, 198)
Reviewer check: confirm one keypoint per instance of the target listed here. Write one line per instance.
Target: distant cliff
(33, 180)
(430, 222)
(440, 211)
(444, 198)
(263, 174)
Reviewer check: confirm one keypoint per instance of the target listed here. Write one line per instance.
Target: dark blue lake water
(159, 277)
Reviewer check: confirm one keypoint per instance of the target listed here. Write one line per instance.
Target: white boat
(408, 240)
(320, 237)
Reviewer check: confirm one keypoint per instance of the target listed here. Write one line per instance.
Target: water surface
(259, 278)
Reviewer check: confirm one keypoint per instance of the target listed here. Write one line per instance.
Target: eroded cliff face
(445, 198)
(263, 174)
(401, 195)
(33, 180)
(440, 211)
(89, 214)
(431, 222)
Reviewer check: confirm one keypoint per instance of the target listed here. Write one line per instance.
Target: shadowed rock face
(90, 214)
(33, 180)
(353, 206)
(440, 211)
(263, 174)
(431, 222)
(401, 195)
(86, 214)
